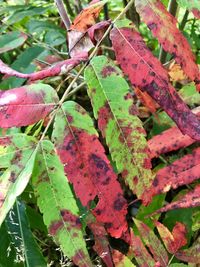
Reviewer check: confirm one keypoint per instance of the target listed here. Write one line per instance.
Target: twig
(63, 14)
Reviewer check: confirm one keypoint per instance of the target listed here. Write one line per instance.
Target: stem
(63, 14)
(106, 12)
(184, 20)
(172, 8)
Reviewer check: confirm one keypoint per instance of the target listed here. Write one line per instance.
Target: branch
(63, 14)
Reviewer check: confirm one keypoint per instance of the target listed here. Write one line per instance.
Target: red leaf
(145, 71)
(26, 105)
(163, 26)
(181, 172)
(96, 32)
(88, 168)
(169, 140)
(58, 69)
(191, 199)
(196, 13)
(101, 246)
(175, 240)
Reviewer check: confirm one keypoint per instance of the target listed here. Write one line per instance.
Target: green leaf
(17, 155)
(11, 40)
(117, 120)
(22, 237)
(190, 94)
(58, 205)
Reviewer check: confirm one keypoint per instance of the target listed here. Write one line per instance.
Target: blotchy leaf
(101, 246)
(175, 240)
(163, 26)
(169, 140)
(59, 68)
(58, 205)
(11, 40)
(181, 172)
(26, 105)
(120, 260)
(140, 253)
(146, 72)
(17, 155)
(22, 237)
(117, 120)
(191, 254)
(151, 240)
(88, 168)
(191, 199)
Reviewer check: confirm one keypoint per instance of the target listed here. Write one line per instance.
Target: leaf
(101, 245)
(176, 74)
(191, 254)
(146, 100)
(117, 120)
(120, 260)
(22, 237)
(88, 168)
(146, 72)
(181, 172)
(17, 155)
(163, 26)
(140, 253)
(169, 140)
(190, 200)
(59, 68)
(175, 240)
(87, 17)
(26, 105)
(189, 94)
(152, 242)
(11, 40)
(189, 4)
(62, 215)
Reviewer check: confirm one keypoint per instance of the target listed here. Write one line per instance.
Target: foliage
(99, 140)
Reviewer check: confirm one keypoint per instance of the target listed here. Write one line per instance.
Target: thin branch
(63, 13)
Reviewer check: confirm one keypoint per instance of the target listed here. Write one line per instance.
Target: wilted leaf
(146, 72)
(181, 172)
(17, 155)
(88, 168)
(153, 243)
(11, 40)
(58, 205)
(22, 237)
(163, 26)
(175, 240)
(117, 120)
(26, 105)
(59, 68)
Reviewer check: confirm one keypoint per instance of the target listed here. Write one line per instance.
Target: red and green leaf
(58, 205)
(88, 168)
(120, 260)
(113, 107)
(163, 26)
(152, 242)
(181, 172)
(17, 154)
(11, 40)
(26, 105)
(175, 240)
(146, 72)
